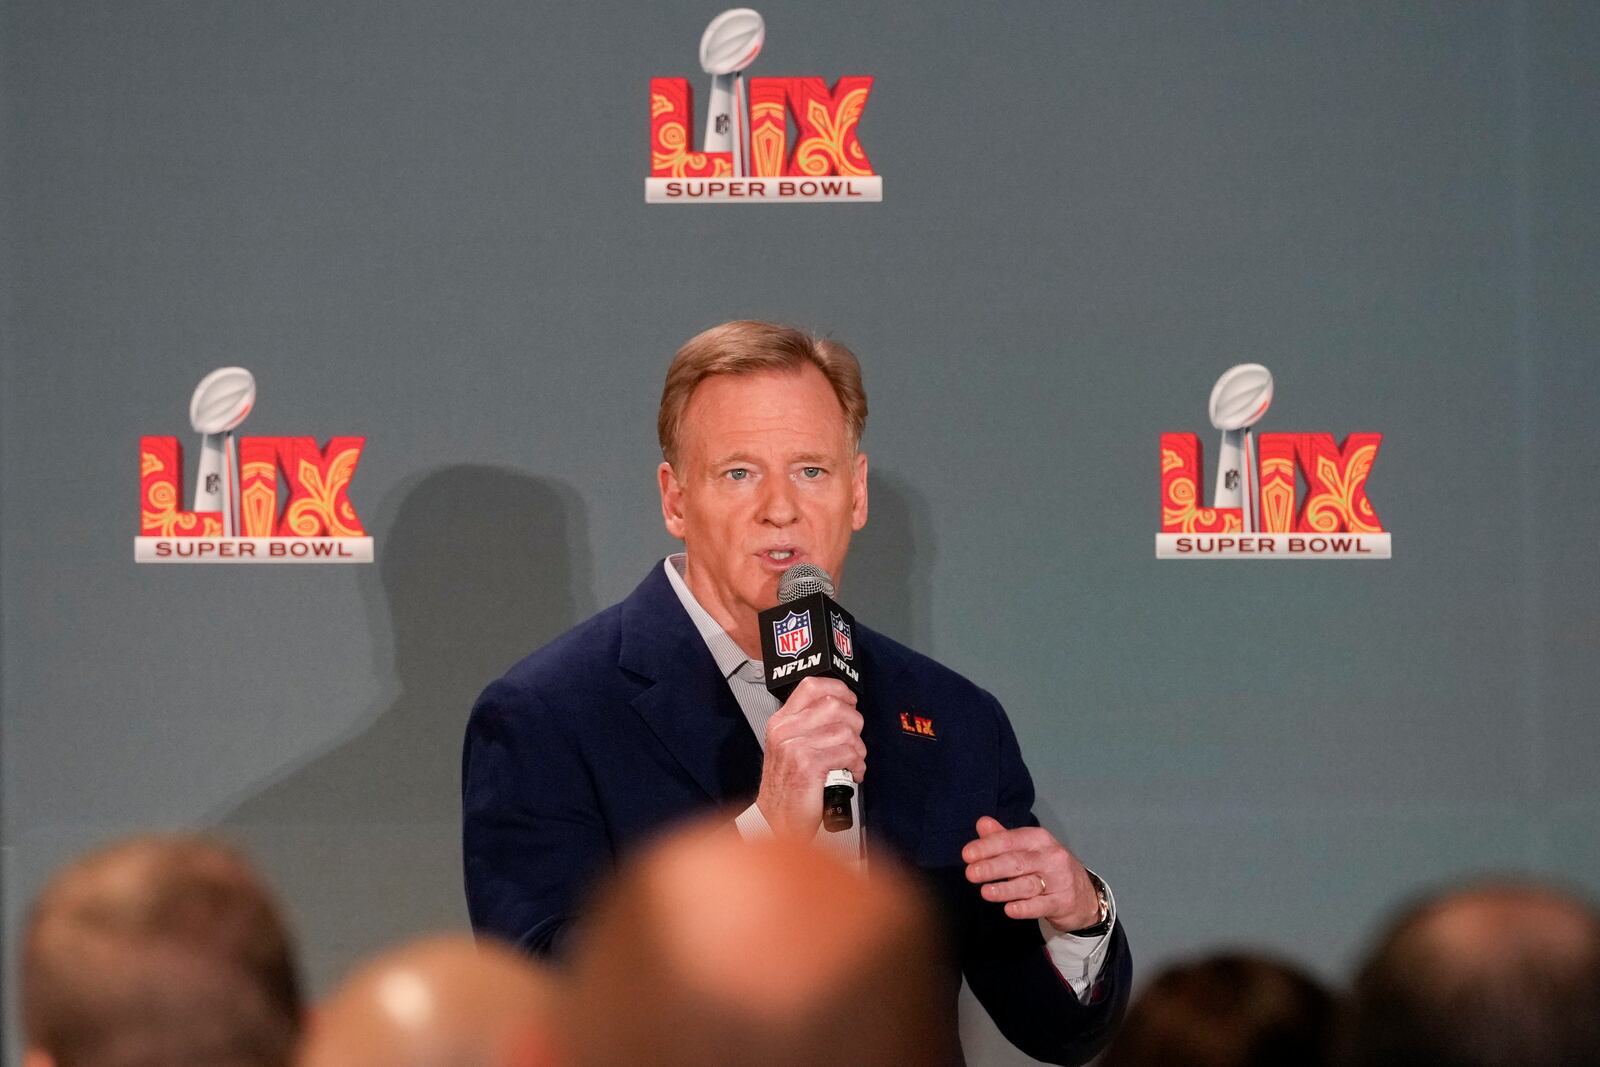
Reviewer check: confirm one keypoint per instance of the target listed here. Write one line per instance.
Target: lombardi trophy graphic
(1238, 400)
(220, 403)
(729, 45)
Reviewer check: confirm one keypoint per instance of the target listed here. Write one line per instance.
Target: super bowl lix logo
(239, 514)
(746, 156)
(1257, 511)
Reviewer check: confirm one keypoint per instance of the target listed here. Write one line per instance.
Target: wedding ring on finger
(1043, 889)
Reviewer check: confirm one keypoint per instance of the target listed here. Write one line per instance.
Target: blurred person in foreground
(1499, 974)
(1228, 1010)
(158, 952)
(717, 952)
(439, 1002)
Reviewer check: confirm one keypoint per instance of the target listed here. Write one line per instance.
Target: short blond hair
(160, 952)
(745, 346)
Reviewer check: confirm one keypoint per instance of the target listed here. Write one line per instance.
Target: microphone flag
(811, 636)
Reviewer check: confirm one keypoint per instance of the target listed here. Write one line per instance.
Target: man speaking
(655, 710)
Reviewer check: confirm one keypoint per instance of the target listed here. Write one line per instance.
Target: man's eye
(738, 474)
(811, 472)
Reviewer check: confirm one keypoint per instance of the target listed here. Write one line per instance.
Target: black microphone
(808, 635)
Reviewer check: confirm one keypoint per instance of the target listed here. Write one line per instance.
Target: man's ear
(858, 492)
(671, 499)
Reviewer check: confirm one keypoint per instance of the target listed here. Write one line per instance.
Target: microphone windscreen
(803, 579)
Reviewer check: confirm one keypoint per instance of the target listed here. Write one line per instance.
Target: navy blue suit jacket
(624, 725)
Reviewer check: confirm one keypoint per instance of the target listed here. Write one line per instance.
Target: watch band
(1099, 928)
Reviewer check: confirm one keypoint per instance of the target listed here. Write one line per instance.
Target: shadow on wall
(477, 567)
(888, 578)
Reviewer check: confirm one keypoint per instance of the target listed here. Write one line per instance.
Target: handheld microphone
(809, 635)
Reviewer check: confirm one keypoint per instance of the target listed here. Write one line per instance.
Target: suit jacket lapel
(895, 789)
(689, 707)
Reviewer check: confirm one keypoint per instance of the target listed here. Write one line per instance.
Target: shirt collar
(724, 649)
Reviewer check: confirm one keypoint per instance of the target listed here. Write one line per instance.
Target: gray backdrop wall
(424, 222)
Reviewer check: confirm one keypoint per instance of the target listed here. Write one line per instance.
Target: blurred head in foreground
(158, 952)
(1227, 1011)
(1493, 975)
(440, 1002)
(712, 950)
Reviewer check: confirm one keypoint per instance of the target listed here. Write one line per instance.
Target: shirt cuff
(752, 825)
(1079, 960)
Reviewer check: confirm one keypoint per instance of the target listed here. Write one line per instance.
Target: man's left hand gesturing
(1032, 874)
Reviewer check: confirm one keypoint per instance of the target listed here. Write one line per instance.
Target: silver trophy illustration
(1238, 400)
(729, 45)
(220, 403)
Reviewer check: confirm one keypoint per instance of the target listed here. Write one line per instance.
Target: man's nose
(779, 506)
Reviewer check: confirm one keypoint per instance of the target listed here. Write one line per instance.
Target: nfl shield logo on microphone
(841, 634)
(792, 633)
